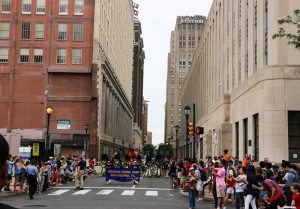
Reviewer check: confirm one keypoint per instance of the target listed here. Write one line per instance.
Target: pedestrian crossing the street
(105, 192)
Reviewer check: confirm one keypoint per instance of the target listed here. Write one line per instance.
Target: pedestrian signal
(199, 130)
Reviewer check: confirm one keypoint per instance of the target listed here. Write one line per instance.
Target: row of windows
(41, 7)
(39, 31)
(38, 54)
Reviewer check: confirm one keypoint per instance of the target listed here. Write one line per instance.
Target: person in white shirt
(240, 186)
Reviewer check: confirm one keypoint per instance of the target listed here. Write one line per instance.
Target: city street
(150, 193)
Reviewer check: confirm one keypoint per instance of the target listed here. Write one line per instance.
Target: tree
(149, 149)
(165, 150)
(294, 39)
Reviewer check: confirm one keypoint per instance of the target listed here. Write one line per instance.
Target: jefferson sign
(188, 20)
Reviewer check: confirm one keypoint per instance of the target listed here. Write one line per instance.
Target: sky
(158, 18)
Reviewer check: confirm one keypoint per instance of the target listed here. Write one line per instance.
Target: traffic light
(199, 130)
(191, 128)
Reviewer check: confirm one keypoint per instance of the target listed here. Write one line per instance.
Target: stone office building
(137, 85)
(247, 92)
(113, 58)
(183, 43)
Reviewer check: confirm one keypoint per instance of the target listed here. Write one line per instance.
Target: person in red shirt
(295, 188)
(188, 166)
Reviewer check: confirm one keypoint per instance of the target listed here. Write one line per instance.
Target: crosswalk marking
(59, 192)
(152, 193)
(128, 192)
(82, 192)
(105, 192)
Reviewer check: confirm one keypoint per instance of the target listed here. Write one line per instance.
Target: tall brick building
(46, 61)
(53, 53)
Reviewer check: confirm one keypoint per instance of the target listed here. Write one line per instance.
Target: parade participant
(295, 188)
(4, 153)
(32, 179)
(192, 180)
(80, 173)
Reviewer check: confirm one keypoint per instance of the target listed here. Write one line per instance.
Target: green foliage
(165, 150)
(149, 148)
(294, 39)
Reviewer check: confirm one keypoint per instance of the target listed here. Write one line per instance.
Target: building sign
(35, 149)
(123, 174)
(63, 124)
(188, 20)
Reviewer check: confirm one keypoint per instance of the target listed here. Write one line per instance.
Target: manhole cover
(35, 206)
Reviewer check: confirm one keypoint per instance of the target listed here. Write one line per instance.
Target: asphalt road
(149, 193)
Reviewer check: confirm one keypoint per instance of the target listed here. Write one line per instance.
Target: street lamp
(86, 127)
(177, 141)
(187, 111)
(49, 111)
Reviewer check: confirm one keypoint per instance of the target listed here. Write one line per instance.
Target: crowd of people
(247, 184)
(33, 177)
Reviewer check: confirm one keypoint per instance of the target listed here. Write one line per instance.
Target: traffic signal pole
(194, 131)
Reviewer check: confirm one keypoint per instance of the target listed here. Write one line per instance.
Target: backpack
(203, 176)
(296, 178)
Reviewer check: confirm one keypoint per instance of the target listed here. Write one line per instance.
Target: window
(237, 136)
(63, 7)
(40, 6)
(4, 30)
(62, 31)
(38, 55)
(294, 136)
(77, 32)
(24, 55)
(26, 7)
(25, 30)
(5, 6)
(256, 136)
(245, 136)
(78, 8)
(39, 31)
(3, 55)
(266, 13)
(77, 56)
(61, 56)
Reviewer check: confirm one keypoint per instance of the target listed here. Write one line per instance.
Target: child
(295, 188)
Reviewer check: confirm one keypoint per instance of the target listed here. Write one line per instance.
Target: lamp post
(86, 144)
(49, 111)
(187, 111)
(177, 141)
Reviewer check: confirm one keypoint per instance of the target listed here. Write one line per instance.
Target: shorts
(230, 190)
(220, 192)
(199, 186)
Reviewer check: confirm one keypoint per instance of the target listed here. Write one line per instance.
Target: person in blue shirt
(32, 179)
(10, 164)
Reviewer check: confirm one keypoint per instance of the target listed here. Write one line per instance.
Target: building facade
(46, 60)
(113, 58)
(183, 43)
(247, 83)
(145, 121)
(137, 85)
(149, 138)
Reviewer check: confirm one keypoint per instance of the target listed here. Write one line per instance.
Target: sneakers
(200, 200)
